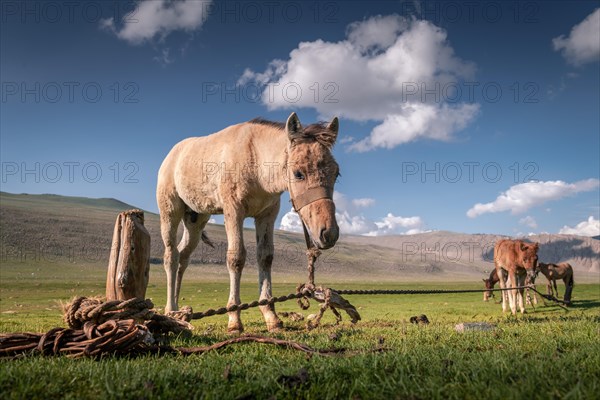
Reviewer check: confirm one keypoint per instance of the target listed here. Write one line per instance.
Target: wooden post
(129, 263)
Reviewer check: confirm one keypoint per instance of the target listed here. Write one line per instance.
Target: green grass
(548, 353)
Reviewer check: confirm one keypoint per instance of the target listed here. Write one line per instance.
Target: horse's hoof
(236, 329)
(275, 326)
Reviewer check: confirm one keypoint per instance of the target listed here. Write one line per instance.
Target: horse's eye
(299, 175)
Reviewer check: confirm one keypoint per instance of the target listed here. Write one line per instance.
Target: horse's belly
(203, 200)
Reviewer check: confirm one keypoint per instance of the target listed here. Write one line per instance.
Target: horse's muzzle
(327, 237)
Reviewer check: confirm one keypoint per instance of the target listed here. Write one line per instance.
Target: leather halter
(308, 196)
(304, 198)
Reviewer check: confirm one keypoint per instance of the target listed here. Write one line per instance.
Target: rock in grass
(474, 326)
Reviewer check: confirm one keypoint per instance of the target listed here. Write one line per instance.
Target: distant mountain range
(53, 228)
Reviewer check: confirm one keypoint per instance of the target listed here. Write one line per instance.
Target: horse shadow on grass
(585, 304)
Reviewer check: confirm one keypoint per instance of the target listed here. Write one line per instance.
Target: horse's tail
(207, 240)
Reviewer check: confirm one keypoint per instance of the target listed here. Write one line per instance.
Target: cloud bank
(520, 198)
(583, 43)
(590, 227)
(385, 71)
(352, 222)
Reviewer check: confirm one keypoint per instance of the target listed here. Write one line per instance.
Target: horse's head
(541, 267)
(311, 173)
(529, 260)
(489, 286)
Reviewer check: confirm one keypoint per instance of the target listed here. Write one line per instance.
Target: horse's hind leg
(193, 224)
(264, 256)
(520, 292)
(502, 282)
(171, 213)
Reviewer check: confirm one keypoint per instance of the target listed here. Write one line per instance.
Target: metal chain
(244, 306)
(424, 291)
(307, 292)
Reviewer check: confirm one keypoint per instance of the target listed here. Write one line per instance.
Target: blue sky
(478, 118)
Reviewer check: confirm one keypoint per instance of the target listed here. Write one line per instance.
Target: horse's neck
(272, 157)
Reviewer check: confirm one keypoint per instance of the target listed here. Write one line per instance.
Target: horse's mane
(317, 131)
(273, 124)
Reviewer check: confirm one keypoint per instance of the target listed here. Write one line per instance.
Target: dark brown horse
(489, 284)
(552, 272)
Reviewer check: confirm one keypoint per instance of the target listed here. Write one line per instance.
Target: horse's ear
(293, 127)
(523, 246)
(334, 126)
(329, 136)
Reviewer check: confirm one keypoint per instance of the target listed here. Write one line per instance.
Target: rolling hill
(77, 230)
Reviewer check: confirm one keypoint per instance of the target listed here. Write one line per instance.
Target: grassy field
(548, 353)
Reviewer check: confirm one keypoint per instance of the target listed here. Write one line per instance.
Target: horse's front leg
(168, 228)
(502, 282)
(264, 256)
(236, 258)
(512, 293)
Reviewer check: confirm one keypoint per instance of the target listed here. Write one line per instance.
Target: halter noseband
(309, 195)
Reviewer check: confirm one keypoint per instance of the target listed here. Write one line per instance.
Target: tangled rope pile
(111, 337)
(98, 327)
(83, 310)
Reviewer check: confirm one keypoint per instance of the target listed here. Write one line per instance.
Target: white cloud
(392, 224)
(352, 222)
(153, 18)
(363, 203)
(417, 121)
(522, 197)
(583, 43)
(380, 72)
(590, 227)
(291, 222)
(529, 221)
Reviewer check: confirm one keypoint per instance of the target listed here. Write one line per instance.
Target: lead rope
(312, 253)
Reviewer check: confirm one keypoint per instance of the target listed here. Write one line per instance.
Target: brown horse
(489, 284)
(491, 281)
(241, 172)
(552, 272)
(515, 262)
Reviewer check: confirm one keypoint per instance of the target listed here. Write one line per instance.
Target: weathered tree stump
(129, 264)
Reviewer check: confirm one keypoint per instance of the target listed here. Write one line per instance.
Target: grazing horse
(491, 281)
(552, 272)
(241, 172)
(515, 262)
(489, 284)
